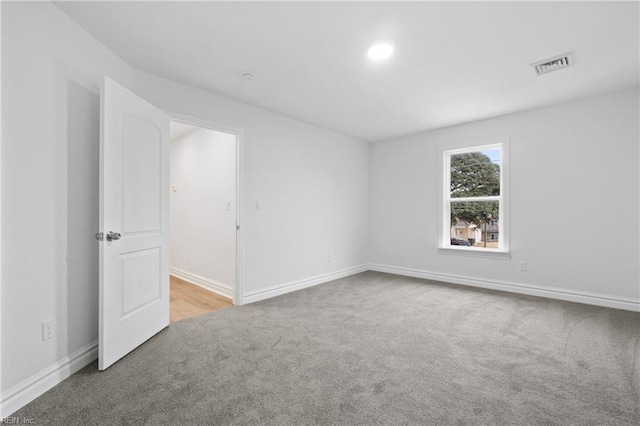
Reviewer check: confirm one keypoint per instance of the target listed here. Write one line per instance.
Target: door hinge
(237, 227)
(100, 236)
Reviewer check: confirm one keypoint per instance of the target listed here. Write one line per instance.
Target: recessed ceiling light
(381, 50)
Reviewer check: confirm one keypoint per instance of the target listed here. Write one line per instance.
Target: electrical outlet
(47, 330)
(523, 266)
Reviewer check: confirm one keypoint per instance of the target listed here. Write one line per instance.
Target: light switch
(258, 207)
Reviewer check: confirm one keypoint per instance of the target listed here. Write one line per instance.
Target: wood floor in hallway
(188, 300)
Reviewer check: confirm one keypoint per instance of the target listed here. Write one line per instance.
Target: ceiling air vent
(553, 64)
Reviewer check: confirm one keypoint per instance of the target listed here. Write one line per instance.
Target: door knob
(111, 236)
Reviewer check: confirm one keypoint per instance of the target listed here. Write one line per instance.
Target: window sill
(474, 252)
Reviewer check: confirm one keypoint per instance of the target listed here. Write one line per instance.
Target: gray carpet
(371, 349)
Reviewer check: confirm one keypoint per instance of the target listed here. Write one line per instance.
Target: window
(474, 202)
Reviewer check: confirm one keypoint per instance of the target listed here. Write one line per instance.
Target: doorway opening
(203, 206)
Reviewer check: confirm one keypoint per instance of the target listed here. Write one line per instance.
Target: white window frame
(444, 246)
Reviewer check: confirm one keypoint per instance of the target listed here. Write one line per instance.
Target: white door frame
(238, 295)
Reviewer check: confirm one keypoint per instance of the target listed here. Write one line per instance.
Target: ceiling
(454, 62)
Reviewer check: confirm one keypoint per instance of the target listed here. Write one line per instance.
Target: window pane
(475, 174)
(475, 223)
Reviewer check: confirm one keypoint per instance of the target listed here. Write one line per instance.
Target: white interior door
(134, 220)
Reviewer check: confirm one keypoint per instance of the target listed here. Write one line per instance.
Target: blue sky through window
(493, 154)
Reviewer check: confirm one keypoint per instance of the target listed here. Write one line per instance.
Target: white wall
(51, 73)
(203, 208)
(312, 186)
(574, 187)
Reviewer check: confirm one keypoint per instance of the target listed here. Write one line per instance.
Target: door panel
(141, 283)
(141, 144)
(134, 202)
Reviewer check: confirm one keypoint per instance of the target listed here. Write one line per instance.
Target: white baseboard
(28, 390)
(219, 288)
(277, 290)
(513, 287)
